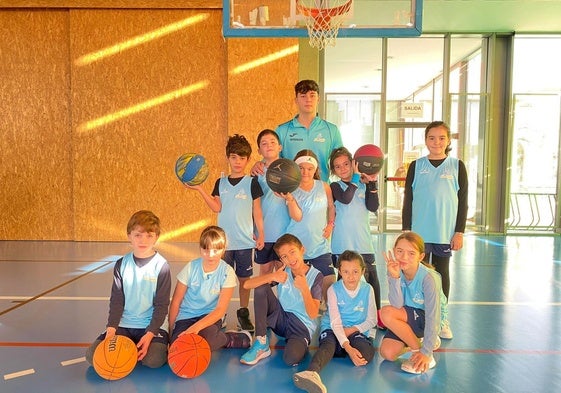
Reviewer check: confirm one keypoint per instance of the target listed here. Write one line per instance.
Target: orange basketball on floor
(189, 356)
(115, 358)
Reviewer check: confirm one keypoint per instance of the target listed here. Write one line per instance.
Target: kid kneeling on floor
(293, 314)
(139, 300)
(202, 294)
(351, 313)
(414, 310)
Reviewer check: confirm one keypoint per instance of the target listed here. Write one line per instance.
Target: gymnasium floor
(505, 312)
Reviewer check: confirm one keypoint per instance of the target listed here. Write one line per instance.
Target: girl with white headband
(312, 214)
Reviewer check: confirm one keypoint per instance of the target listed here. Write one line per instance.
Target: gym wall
(98, 103)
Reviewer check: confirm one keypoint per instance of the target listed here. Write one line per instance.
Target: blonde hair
(415, 239)
(213, 237)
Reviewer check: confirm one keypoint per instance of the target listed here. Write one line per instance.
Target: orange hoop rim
(325, 13)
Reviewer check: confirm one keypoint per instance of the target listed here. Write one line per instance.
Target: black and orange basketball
(283, 175)
(115, 358)
(189, 356)
(370, 159)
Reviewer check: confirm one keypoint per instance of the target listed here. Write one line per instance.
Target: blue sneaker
(257, 352)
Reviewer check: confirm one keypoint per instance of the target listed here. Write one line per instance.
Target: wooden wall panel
(35, 142)
(147, 87)
(97, 105)
(261, 78)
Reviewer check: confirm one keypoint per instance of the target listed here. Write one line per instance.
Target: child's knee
(156, 356)
(388, 353)
(387, 314)
(90, 351)
(294, 351)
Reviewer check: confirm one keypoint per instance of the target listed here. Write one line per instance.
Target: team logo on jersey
(215, 290)
(292, 135)
(447, 175)
(418, 298)
(319, 138)
(150, 278)
(359, 307)
(241, 195)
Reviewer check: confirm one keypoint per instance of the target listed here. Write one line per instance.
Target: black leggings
(329, 347)
(442, 266)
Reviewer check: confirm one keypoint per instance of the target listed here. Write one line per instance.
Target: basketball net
(323, 19)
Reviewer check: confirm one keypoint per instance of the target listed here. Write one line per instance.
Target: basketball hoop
(323, 19)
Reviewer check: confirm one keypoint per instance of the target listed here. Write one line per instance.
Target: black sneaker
(241, 339)
(243, 320)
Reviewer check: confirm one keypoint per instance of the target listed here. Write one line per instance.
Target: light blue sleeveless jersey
(275, 213)
(314, 219)
(435, 200)
(291, 300)
(139, 288)
(352, 224)
(236, 216)
(353, 311)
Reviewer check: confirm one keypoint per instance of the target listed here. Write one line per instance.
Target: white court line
(508, 303)
(73, 361)
(19, 374)
(80, 298)
(106, 298)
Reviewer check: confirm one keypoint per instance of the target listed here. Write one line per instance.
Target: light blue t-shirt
(203, 289)
(322, 137)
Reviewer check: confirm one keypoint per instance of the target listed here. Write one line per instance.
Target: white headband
(307, 160)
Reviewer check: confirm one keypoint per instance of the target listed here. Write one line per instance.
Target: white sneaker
(436, 344)
(409, 367)
(309, 381)
(445, 331)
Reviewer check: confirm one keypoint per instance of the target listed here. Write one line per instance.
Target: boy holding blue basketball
(139, 301)
(237, 200)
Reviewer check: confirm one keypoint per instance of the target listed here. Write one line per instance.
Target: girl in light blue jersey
(312, 214)
(345, 327)
(355, 195)
(435, 204)
(415, 306)
(202, 294)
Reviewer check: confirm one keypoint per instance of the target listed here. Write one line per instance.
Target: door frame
(383, 189)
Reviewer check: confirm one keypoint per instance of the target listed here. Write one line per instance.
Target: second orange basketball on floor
(189, 356)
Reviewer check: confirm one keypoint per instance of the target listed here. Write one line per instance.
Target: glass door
(534, 164)
(402, 143)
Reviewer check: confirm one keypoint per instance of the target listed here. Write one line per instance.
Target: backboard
(281, 18)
